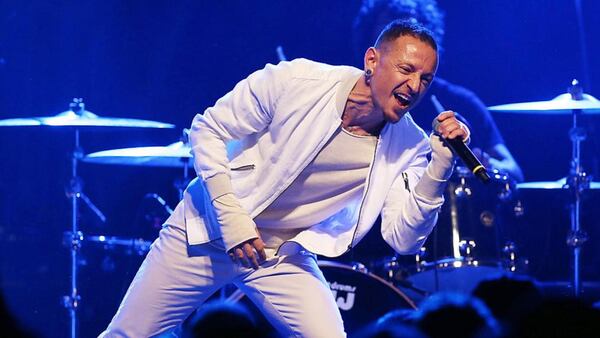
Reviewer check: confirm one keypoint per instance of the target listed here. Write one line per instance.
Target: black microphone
(465, 154)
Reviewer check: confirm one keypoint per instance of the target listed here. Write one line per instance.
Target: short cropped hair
(398, 28)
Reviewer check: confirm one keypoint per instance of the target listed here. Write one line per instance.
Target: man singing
(299, 159)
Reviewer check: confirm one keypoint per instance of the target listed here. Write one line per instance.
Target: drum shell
(450, 275)
(483, 217)
(483, 213)
(362, 297)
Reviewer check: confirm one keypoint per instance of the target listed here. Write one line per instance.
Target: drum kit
(78, 119)
(478, 215)
(574, 103)
(469, 255)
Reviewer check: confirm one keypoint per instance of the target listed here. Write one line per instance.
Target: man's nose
(413, 83)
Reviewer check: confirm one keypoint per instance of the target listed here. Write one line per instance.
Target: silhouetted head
(509, 297)
(374, 15)
(560, 318)
(220, 320)
(455, 315)
(390, 330)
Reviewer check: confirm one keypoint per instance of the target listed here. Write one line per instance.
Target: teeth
(403, 98)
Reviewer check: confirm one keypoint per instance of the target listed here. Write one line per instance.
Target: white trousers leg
(295, 298)
(168, 286)
(290, 290)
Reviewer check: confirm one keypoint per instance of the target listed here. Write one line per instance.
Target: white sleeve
(236, 225)
(411, 208)
(247, 109)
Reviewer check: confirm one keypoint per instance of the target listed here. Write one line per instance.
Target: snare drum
(362, 297)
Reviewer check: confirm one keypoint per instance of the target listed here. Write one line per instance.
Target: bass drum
(362, 297)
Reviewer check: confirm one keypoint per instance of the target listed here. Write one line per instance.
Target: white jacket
(282, 116)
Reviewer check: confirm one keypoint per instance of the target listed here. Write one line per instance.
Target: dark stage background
(168, 60)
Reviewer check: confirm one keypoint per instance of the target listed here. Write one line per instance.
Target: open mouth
(403, 99)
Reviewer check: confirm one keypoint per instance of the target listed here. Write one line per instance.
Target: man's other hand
(249, 253)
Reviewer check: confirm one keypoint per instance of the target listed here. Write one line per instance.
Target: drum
(129, 246)
(455, 275)
(472, 239)
(476, 219)
(112, 253)
(362, 297)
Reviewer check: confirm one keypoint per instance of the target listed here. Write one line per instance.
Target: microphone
(462, 151)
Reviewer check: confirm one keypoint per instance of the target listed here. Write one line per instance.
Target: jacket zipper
(311, 158)
(405, 178)
(244, 167)
(360, 210)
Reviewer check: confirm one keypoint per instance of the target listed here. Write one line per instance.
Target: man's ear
(371, 58)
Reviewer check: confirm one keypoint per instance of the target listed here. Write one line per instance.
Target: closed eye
(404, 69)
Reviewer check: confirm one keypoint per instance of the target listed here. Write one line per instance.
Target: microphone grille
(434, 125)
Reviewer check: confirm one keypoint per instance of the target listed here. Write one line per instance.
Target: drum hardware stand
(510, 255)
(391, 266)
(74, 237)
(359, 267)
(420, 258)
(457, 191)
(467, 247)
(460, 191)
(509, 250)
(137, 246)
(577, 182)
(182, 183)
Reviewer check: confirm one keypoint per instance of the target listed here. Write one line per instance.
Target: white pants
(175, 279)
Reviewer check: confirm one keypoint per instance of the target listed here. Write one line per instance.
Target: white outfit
(283, 116)
(334, 180)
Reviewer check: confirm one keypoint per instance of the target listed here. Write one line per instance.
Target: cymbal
(84, 118)
(561, 105)
(173, 155)
(552, 185)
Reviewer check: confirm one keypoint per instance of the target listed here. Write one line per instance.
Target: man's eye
(403, 69)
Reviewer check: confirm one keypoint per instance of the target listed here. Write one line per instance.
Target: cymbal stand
(577, 182)
(181, 183)
(74, 238)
